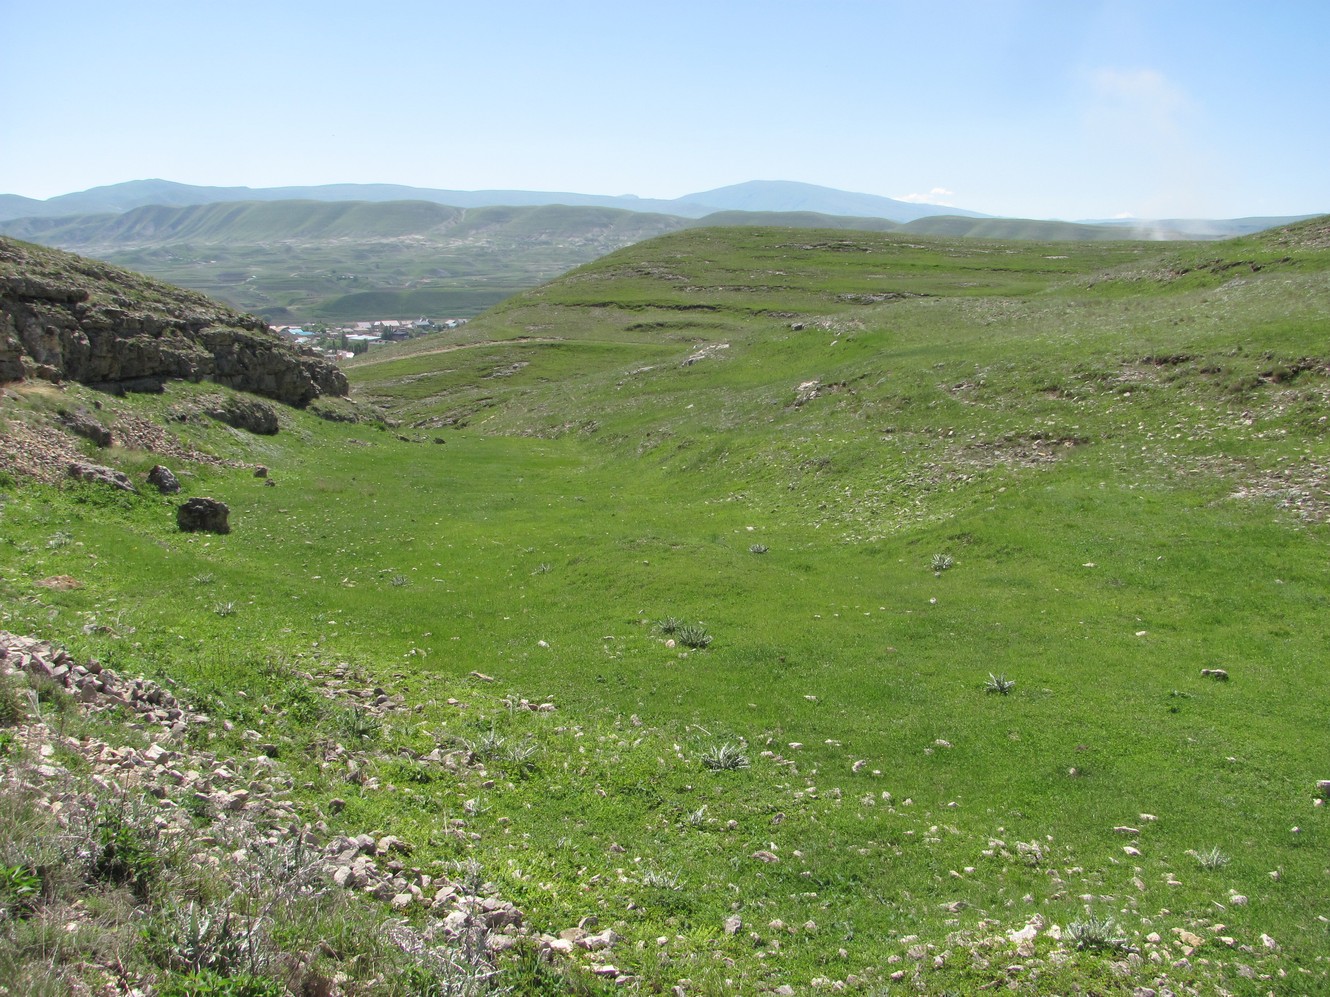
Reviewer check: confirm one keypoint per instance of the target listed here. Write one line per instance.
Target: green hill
(796, 610)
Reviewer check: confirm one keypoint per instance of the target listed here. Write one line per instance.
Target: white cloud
(934, 196)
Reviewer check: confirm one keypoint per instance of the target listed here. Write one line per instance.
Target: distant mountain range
(802, 201)
(757, 195)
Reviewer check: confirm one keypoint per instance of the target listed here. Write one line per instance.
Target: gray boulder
(164, 481)
(96, 474)
(203, 515)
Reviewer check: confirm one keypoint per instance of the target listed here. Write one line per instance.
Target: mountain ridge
(761, 195)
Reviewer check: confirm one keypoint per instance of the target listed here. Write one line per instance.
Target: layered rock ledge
(65, 317)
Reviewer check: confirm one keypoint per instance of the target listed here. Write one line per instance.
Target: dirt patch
(1034, 450)
(60, 583)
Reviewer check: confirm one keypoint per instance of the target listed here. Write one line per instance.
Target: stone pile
(94, 686)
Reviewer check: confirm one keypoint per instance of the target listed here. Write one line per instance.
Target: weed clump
(1211, 858)
(12, 707)
(726, 757)
(1097, 933)
(693, 635)
(999, 685)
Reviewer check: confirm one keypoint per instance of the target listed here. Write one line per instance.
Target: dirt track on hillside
(456, 346)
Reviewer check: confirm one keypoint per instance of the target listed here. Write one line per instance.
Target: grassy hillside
(953, 528)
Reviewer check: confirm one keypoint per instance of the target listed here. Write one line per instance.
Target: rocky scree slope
(64, 317)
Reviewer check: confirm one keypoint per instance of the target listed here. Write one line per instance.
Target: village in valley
(347, 340)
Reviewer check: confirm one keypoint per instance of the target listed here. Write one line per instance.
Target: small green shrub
(121, 852)
(669, 626)
(693, 635)
(20, 889)
(52, 694)
(1097, 933)
(195, 938)
(206, 983)
(725, 757)
(1211, 858)
(491, 746)
(355, 724)
(661, 880)
(13, 709)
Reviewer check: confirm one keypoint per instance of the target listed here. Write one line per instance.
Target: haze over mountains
(377, 251)
(772, 195)
(781, 196)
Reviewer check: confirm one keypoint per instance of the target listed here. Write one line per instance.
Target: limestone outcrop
(64, 317)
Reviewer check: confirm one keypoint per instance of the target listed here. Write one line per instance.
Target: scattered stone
(1188, 938)
(598, 942)
(260, 471)
(1218, 674)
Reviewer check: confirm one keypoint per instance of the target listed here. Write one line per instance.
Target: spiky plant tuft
(726, 757)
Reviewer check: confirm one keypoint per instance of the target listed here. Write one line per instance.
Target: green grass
(1125, 462)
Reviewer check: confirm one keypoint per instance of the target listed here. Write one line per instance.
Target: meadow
(953, 528)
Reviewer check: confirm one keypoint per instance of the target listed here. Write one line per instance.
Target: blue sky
(1032, 108)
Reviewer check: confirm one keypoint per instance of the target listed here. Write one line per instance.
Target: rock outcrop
(243, 413)
(66, 317)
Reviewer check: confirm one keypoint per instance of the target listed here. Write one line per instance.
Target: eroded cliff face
(66, 317)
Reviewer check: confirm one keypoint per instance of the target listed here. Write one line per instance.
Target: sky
(1072, 109)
